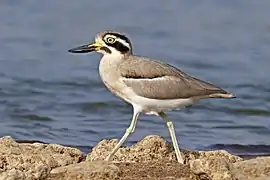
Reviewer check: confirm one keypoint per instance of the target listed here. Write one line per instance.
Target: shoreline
(87, 149)
(151, 158)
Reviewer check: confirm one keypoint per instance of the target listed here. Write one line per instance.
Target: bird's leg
(173, 137)
(129, 130)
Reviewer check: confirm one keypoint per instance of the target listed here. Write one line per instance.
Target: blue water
(49, 95)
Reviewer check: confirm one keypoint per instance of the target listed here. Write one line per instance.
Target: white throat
(114, 56)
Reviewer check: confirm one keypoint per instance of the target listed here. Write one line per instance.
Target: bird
(151, 86)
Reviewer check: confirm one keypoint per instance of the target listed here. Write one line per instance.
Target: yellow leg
(129, 130)
(173, 137)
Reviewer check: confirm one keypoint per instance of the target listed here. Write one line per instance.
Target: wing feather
(158, 80)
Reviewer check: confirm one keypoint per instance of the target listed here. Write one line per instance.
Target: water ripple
(49, 95)
(32, 117)
(252, 112)
(243, 150)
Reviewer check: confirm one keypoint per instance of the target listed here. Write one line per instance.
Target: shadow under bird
(150, 86)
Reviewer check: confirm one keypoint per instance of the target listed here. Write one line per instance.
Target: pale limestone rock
(33, 161)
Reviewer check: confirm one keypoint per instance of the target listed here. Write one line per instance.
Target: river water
(49, 95)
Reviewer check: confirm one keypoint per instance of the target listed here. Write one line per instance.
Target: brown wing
(157, 80)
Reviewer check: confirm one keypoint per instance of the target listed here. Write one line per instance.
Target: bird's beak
(86, 48)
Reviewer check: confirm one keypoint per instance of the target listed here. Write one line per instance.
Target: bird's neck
(114, 58)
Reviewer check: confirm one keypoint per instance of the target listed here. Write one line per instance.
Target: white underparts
(154, 106)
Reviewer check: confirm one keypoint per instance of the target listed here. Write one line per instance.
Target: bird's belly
(153, 106)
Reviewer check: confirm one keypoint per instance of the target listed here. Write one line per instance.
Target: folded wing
(158, 80)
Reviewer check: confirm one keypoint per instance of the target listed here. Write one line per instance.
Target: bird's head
(107, 43)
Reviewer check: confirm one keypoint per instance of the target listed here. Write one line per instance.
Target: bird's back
(156, 79)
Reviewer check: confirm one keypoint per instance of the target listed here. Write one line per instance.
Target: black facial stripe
(120, 47)
(107, 50)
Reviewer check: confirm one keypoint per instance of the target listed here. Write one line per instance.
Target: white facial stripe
(123, 42)
(108, 35)
(118, 39)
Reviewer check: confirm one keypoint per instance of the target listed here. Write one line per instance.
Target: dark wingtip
(231, 96)
(225, 95)
(228, 94)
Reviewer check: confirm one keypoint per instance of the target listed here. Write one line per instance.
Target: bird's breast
(108, 71)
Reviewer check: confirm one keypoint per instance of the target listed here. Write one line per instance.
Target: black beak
(83, 49)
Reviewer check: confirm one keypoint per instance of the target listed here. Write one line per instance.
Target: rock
(214, 165)
(216, 168)
(218, 153)
(95, 170)
(33, 161)
(151, 148)
(151, 158)
(253, 169)
(156, 170)
(12, 174)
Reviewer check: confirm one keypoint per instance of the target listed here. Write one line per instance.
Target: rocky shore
(151, 158)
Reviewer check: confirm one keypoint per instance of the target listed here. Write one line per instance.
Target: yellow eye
(110, 40)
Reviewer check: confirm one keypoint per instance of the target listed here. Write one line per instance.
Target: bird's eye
(110, 40)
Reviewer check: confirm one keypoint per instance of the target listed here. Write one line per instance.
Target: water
(49, 95)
